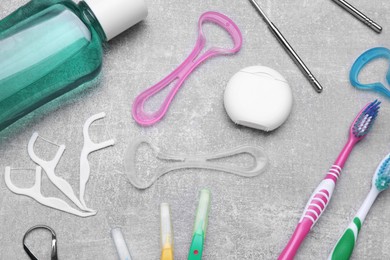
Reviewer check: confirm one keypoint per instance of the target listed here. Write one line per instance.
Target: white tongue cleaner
(175, 162)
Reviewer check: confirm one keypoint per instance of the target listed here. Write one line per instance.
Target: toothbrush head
(381, 178)
(364, 121)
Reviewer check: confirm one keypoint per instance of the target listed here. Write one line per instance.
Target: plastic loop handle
(177, 162)
(362, 61)
(184, 70)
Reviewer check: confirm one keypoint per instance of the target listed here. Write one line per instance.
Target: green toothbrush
(380, 182)
(200, 227)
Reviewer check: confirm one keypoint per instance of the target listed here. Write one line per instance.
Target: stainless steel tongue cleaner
(317, 86)
(53, 255)
(359, 15)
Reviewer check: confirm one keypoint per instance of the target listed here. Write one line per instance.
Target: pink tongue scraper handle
(184, 70)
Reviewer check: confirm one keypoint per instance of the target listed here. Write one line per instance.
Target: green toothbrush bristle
(382, 181)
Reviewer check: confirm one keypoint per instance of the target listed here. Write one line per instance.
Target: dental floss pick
(35, 193)
(49, 167)
(89, 147)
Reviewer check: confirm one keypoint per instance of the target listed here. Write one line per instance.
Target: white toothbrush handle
(345, 245)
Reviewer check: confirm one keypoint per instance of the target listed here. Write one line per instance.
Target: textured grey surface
(249, 218)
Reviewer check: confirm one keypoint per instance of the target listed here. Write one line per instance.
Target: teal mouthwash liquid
(49, 47)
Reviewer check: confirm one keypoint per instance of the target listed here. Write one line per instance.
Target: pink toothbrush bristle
(366, 119)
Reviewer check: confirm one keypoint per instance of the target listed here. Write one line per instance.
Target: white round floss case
(258, 97)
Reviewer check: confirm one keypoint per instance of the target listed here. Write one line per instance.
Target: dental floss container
(258, 97)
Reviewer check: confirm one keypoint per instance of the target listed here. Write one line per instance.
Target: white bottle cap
(116, 16)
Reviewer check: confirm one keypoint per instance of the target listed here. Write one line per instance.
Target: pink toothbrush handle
(297, 238)
(318, 202)
(184, 70)
(316, 205)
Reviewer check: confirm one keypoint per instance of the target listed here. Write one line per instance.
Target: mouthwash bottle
(49, 47)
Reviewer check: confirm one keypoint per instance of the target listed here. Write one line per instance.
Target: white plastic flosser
(89, 147)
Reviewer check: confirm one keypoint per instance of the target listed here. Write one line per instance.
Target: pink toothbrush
(321, 196)
(184, 70)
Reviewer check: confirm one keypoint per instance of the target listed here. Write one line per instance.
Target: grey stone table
(249, 218)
